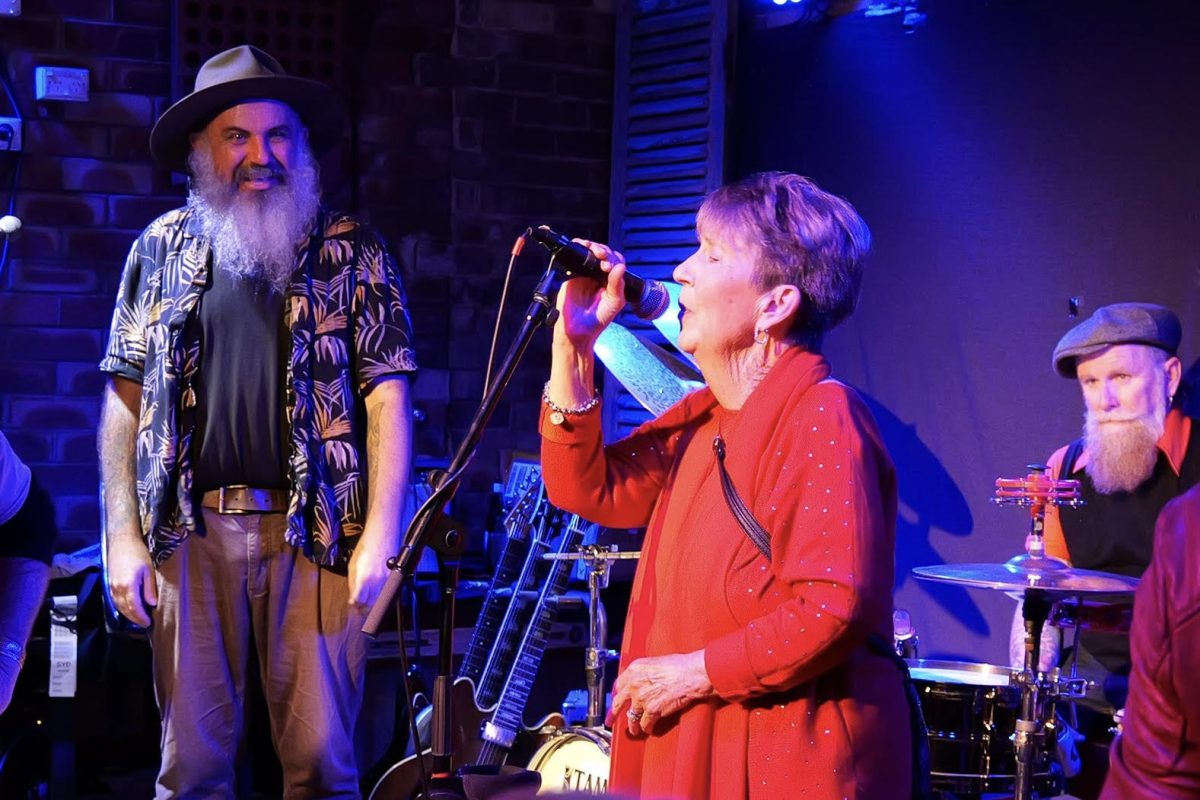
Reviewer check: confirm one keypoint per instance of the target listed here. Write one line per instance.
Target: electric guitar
(524, 602)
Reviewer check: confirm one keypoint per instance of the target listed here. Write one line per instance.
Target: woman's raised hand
(585, 307)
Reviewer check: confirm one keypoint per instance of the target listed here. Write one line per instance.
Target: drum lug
(1074, 687)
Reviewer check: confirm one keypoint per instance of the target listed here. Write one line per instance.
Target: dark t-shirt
(240, 433)
(1115, 533)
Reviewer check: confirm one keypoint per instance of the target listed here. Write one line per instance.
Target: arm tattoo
(374, 438)
(118, 434)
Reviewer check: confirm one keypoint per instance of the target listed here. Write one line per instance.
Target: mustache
(1105, 419)
(254, 172)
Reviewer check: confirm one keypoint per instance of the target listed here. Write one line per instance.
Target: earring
(762, 337)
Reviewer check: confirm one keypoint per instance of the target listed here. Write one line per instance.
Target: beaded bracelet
(558, 414)
(13, 650)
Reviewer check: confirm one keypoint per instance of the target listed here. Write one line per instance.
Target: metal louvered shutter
(668, 146)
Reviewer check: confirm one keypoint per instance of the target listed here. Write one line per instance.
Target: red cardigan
(1157, 757)
(800, 703)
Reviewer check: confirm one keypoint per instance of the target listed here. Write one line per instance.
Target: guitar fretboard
(489, 633)
(507, 719)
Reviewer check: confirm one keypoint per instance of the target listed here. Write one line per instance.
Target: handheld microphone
(9, 225)
(648, 299)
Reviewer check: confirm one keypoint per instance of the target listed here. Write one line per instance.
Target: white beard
(255, 235)
(1122, 452)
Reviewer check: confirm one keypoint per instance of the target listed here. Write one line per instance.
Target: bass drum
(574, 760)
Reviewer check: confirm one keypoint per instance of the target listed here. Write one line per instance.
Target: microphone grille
(654, 302)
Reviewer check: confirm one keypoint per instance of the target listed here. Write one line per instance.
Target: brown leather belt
(246, 500)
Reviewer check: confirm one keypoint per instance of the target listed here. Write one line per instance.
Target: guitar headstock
(522, 473)
(529, 503)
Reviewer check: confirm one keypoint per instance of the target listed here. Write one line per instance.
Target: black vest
(1115, 533)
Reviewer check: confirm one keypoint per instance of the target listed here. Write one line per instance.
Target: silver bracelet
(558, 414)
(12, 649)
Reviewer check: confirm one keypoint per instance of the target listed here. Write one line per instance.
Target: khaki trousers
(240, 586)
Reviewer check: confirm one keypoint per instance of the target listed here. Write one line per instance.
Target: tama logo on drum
(580, 780)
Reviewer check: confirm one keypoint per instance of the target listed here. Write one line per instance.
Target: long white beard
(1122, 452)
(255, 235)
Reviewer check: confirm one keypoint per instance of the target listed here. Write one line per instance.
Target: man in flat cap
(255, 435)
(1135, 455)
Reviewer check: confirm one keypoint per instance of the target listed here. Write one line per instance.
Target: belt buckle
(221, 509)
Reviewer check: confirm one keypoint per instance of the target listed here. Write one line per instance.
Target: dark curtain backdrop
(1007, 156)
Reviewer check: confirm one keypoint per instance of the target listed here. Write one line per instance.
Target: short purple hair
(804, 236)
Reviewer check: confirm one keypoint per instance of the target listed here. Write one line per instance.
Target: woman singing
(743, 674)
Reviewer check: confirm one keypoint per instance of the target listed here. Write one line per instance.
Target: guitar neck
(488, 628)
(523, 596)
(507, 719)
(491, 613)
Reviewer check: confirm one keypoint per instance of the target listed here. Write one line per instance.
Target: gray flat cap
(1120, 323)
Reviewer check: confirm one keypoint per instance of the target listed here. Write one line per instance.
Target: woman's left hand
(658, 686)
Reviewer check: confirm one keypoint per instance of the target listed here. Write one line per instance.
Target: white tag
(64, 645)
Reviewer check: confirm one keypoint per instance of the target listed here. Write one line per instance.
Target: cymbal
(1029, 572)
(655, 378)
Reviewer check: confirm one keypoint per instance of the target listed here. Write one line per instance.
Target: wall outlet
(61, 83)
(10, 134)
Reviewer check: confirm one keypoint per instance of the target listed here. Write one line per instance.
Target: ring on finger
(633, 715)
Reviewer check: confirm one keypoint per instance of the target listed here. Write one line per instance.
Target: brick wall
(473, 120)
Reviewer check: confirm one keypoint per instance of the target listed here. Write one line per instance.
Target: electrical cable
(16, 168)
(418, 750)
(518, 245)
(12, 204)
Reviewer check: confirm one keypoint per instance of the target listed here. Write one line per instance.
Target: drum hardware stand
(1029, 733)
(1073, 716)
(1037, 578)
(1035, 491)
(597, 653)
(425, 530)
(598, 561)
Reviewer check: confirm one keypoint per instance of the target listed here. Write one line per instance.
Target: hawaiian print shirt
(349, 326)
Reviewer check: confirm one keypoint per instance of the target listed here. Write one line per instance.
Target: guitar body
(403, 780)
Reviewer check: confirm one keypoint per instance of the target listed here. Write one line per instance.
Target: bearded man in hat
(1136, 454)
(255, 435)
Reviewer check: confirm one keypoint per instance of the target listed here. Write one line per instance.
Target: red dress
(802, 709)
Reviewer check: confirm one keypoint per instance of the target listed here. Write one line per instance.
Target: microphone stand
(424, 531)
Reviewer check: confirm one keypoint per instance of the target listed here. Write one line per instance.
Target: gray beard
(1122, 454)
(255, 235)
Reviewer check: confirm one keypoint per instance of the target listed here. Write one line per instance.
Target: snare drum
(574, 759)
(971, 712)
